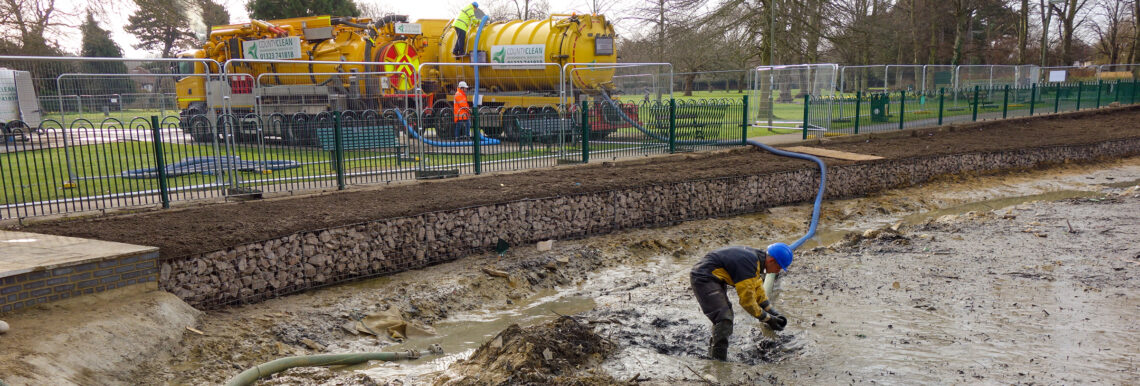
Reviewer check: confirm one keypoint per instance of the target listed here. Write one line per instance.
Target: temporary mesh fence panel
(778, 92)
(873, 112)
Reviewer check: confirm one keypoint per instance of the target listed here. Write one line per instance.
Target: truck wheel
(511, 118)
(444, 122)
(490, 122)
(200, 129)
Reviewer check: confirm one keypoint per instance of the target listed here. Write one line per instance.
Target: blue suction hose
(818, 195)
(482, 140)
(783, 153)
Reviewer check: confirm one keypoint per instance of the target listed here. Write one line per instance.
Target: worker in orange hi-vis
(462, 111)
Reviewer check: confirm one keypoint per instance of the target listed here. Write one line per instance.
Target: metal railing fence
(874, 112)
(149, 161)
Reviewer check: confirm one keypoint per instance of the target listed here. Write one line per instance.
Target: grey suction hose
(248, 377)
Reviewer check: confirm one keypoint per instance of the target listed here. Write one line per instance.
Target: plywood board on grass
(833, 153)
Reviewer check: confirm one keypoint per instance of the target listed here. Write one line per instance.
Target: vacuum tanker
(273, 69)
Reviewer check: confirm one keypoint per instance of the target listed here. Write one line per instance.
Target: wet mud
(1025, 277)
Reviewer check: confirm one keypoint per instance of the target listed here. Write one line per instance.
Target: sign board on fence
(1057, 76)
(519, 53)
(282, 48)
(408, 29)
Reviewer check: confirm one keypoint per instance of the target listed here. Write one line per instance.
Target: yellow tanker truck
(277, 79)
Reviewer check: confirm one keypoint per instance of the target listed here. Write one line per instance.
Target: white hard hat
(462, 84)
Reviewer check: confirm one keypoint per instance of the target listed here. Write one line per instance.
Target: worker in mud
(744, 268)
(462, 111)
(468, 17)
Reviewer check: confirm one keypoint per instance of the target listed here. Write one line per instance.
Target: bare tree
(1022, 32)
(27, 24)
(501, 10)
(1070, 15)
(1110, 30)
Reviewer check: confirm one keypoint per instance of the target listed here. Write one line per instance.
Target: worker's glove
(775, 321)
(772, 311)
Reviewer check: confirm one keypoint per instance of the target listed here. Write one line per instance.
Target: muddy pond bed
(1027, 277)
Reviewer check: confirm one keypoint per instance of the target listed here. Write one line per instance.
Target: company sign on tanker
(283, 48)
(519, 53)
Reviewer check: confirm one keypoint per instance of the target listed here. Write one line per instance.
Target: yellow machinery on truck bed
(274, 86)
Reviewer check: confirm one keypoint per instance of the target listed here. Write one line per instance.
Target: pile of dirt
(551, 353)
(193, 230)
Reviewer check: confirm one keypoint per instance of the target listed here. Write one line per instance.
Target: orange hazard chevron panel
(401, 52)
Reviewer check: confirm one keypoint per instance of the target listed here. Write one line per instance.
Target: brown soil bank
(202, 229)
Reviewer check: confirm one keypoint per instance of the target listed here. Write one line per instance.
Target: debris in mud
(551, 353)
(767, 350)
(891, 235)
(391, 324)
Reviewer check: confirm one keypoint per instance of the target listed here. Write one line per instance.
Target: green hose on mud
(248, 377)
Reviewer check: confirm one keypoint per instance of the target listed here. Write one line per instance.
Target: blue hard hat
(475, 4)
(782, 253)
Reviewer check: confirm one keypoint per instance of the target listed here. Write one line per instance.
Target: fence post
(1032, 98)
(338, 153)
(902, 108)
(941, 103)
(672, 125)
(476, 141)
(744, 122)
(858, 106)
(1132, 99)
(160, 161)
(586, 131)
(1099, 89)
(1057, 100)
(1080, 88)
(976, 102)
(1005, 103)
(807, 102)
(1117, 98)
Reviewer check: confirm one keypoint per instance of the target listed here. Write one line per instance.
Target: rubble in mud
(554, 353)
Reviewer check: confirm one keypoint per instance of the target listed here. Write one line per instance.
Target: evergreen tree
(161, 25)
(214, 14)
(97, 43)
(281, 9)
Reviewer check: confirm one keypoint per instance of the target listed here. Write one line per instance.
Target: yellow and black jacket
(742, 268)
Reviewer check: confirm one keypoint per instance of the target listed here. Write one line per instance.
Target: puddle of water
(461, 334)
(1123, 184)
(827, 235)
(999, 203)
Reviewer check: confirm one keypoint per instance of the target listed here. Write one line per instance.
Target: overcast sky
(116, 16)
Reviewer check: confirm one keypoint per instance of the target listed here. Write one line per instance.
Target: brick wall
(29, 289)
